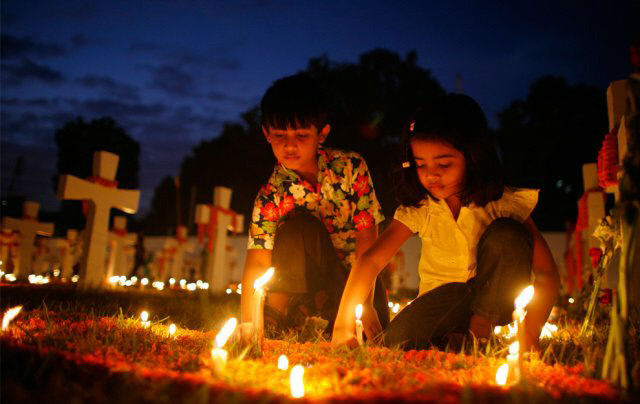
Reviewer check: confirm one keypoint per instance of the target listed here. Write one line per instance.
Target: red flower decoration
(270, 212)
(286, 205)
(595, 254)
(361, 185)
(363, 220)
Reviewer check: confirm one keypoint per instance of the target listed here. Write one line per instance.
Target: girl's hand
(344, 336)
(371, 323)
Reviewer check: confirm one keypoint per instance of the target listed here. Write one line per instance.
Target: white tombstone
(181, 246)
(621, 104)
(218, 219)
(28, 228)
(119, 240)
(70, 249)
(102, 195)
(8, 247)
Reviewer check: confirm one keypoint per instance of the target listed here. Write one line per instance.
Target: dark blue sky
(171, 72)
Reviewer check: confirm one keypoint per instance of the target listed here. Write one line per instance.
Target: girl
(479, 244)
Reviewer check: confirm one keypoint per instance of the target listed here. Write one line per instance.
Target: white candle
(513, 360)
(219, 355)
(359, 328)
(172, 330)
(258, 302)
(502, 374)
(283, 362)
(519, 313)
(144, 316)
(296, 381)
(9, 315)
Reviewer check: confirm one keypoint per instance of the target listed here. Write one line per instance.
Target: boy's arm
(255, 265)
(362, 277)
(365, 239)
(546, 285)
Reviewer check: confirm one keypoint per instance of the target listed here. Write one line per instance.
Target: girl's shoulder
(517, 203)
(413, 217)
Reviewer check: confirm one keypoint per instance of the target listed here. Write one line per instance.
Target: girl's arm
(362, 278)
(546, 285)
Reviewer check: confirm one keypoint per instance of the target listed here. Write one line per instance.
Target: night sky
(171, 72)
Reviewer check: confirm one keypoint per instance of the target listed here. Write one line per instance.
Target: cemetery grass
(75, 347)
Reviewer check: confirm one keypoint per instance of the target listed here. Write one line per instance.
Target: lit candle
(172, 330)
(513, 360)
(283, 362)
(296, 381)
(519, 313)
(359, 324)
(218, 354)
(502, 374)
(9, 315)
(144, 316)
(258, 302)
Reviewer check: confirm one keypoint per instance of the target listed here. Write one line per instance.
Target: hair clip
(406, 164)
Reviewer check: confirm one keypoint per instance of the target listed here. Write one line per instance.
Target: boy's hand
(371, 323)
(343, 336)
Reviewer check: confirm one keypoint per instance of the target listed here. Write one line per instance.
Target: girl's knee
(505, 232)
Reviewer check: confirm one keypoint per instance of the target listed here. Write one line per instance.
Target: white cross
(70, 249)
(215, 272)
(119, 240)
(180, 245)
(28, 228)
(101, 199)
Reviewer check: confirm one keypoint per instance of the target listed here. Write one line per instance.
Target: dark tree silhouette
(547, 137)
(77, 141)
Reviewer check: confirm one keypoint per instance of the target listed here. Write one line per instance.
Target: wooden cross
(119, 240)
(28, 227)
(181, 246)
(102, 193)
(218, 218)
(8, 247)
(70, 249)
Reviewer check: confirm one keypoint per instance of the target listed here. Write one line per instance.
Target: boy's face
(296, 148)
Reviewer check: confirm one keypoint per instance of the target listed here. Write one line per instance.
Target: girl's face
(440, 167)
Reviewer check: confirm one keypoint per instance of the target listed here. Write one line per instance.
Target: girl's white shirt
(449, 246)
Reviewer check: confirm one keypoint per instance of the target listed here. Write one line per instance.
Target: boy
(315, 215)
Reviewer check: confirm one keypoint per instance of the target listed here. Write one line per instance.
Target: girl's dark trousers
(308, 269)
(504, 258)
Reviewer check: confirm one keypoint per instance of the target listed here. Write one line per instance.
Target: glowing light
(571, 300)
(56, 272)
(199, 283)
(144, 281)
(390, 304)
(172, 329)
(74, 278)
(10, 315)
(548, 330)
(261, 281)
(501, 374)
(358, 312)
(396, 308)
(225, 332)
(524, 297)
(283, 362)
(296, 381)
(10, 277)
(205, 285)
(128, 283)
(183, 283)
(134, 279)
(172, 281)
(191, 287)
(497, 329)
(229, 291)
(144, 316)
(514, 348)
(359, 327)
(513, 330)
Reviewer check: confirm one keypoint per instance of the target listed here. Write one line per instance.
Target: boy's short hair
(294, 101)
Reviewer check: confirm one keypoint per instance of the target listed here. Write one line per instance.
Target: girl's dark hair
(294, 101)
(457, 120)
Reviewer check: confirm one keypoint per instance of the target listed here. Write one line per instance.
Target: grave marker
(119, 240)
(102, 193)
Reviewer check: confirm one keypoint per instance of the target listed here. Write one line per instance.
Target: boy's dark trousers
(504, 258)
(308, 269)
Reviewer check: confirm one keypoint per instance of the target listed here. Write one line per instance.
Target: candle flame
(548, 330)
(172, 329)
(296, 381)
(9, 315)
(501, 374)
(514, 348)
(266, 277)
(524, 297)
(497, 329)
(358, 312)
(283, 362)
(225, 332)
(144, 316)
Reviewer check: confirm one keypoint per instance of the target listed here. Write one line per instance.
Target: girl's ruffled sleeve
(517, 203)
(411, 216)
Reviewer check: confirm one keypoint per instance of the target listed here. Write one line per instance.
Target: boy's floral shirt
(343, 199)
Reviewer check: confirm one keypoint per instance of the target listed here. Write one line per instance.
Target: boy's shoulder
(339, 157)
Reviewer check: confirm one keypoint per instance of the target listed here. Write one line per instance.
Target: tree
(77, 140)
(546, 138)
